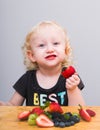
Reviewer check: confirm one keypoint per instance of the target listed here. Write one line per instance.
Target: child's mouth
(50, 57)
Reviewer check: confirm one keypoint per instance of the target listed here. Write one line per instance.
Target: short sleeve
(20, 85)
(81, 85)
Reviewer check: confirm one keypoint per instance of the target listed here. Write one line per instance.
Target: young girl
(47, 52)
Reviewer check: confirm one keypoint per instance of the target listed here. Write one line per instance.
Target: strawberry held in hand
(55, 107)
(68, 72)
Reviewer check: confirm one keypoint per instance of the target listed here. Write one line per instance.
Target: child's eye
(41, 45)
(56, 43)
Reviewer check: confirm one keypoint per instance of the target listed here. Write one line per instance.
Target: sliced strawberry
(37, 110)
(91, 112)
(68, 72)
(24, 115)
(43, 121)
(84, 115)
(55, 107)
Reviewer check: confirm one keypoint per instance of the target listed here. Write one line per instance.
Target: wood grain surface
(9, 120)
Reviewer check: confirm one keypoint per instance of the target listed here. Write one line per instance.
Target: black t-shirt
(28, 87)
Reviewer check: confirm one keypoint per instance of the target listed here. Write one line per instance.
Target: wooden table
(9, 120)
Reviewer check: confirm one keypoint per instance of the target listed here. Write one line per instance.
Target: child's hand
(72, 82)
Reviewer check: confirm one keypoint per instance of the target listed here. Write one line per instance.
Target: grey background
(81, 18)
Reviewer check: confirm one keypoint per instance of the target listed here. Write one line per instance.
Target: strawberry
(37, 110)
(91, 112)
(24, 115)
(43, 121)
(55, 107)
(84, 115)
(68, 72)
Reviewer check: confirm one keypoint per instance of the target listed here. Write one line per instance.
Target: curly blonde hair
(68, 50)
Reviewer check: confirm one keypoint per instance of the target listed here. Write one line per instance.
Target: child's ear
(67, 50)
(30, 55)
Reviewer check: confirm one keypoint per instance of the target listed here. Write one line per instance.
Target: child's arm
(74, 93)
(16, 100)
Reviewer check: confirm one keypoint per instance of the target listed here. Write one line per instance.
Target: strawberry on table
(55, 107)
(37, 110)
(91, 112)
(84, 114)
(24, 115)
(43, 121)
(68, 72)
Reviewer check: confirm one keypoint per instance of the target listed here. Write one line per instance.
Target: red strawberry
(37, 110)
(43, 121)
(55, 107)
(91, 112)
(84, 115)
(68, 72)
(24, 115)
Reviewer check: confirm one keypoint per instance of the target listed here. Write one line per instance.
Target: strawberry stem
(80, 106)
(45, 105)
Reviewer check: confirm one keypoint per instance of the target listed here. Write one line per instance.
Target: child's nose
(50, 48)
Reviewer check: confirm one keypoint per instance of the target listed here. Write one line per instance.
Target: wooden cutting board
(9, 120)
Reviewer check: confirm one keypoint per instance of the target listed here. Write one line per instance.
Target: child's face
(48, 47)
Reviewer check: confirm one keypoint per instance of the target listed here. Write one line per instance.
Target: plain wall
(80, 18)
